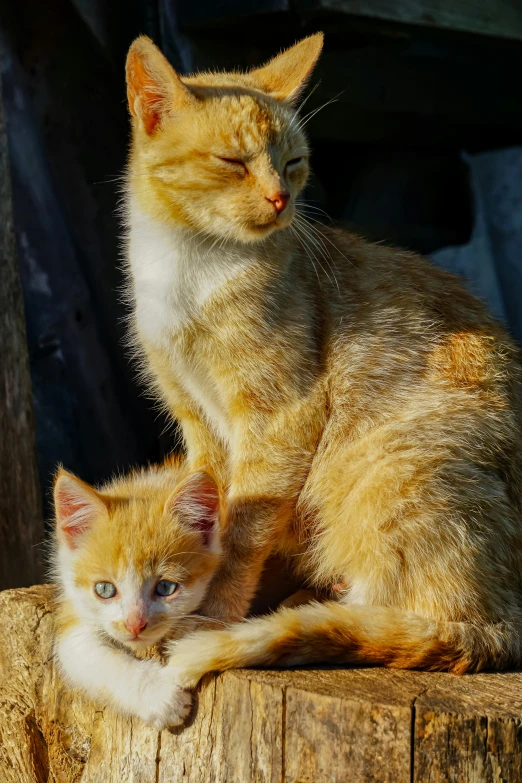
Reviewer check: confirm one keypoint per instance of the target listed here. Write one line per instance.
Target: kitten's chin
(142, 642)
(137, 645)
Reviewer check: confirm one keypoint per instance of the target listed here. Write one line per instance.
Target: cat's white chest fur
(173, 280)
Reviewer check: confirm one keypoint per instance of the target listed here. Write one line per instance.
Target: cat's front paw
(167, 703)
(176, 711)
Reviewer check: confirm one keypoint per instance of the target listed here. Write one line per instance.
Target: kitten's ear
(77, 505)
(154, 89)
(286, 75)
(196, 503)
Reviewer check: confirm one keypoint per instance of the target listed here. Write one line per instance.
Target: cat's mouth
(145, 639)
(142, 640)
(278, 222)
(264, 226)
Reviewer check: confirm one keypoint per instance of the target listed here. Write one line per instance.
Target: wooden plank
(66, 155)
(326, 736)
(21, 527)
(254, 726)
(469, 730)
(236, 731)
(502, 18)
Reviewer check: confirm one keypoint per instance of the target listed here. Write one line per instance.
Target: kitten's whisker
(209, 619)
(177, 554)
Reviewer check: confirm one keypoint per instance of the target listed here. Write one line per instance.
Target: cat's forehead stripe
(249, 122)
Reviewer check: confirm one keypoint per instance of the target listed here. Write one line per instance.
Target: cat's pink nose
(279, 200)
(136, 624)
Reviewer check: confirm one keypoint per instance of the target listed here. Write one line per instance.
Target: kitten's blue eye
(165, 587)
(105, 589)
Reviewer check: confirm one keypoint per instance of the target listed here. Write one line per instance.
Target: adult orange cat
(362, 409)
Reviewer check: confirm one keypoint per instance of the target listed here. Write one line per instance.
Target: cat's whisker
(209, 619)
(306, 119)
(178, 554)
(307, 233)
(308, 230)
(327, 239)
(320, 237)
(296, 230)
(305, 205)
(318, 243)
(230, 232)
(214, 243)
(121, 179)
(304, 101)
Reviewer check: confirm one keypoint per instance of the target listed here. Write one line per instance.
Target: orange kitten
(363, 410)
(133, 560)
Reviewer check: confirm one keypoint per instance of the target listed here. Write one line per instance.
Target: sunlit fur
(132, 532)
(362, 409)
(181, 173)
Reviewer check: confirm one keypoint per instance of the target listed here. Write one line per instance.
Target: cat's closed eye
(295, 161)
(235, 163)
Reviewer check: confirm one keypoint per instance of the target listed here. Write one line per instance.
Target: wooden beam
(302, 726)
(502, 18)
(21, 527)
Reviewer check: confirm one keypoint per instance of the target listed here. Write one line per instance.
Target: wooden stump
(21, 528)
(307, 726)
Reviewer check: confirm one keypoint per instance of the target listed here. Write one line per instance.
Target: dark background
(416, 88)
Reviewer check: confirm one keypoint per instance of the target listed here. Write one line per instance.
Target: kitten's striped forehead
(139, 539)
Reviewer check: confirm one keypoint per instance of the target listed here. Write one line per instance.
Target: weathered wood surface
(21, 527)
(68, 131)
(308, 726)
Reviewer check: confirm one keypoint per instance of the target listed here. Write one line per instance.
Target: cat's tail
(347, 634)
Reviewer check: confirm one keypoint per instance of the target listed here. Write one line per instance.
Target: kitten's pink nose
(136, 623)
(279, 200)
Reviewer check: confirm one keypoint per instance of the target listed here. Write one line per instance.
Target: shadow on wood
(306, 726)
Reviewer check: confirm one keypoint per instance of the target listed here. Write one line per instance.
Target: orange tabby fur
(362, 409)
(137, 531)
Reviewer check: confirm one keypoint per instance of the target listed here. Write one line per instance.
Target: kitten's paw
(176, 711)
(167, 703)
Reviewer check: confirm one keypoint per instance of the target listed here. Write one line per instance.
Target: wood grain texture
(21, 527)
(303, 726)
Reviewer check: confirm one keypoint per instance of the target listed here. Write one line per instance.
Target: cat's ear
(154, 89)
(77, 505)
(196, 503)
(286, 75)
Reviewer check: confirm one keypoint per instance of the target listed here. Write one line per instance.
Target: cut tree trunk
(307, 726)
(21, 527)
